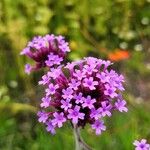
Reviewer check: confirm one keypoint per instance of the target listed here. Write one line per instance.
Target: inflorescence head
(48, 50)
(81, 92)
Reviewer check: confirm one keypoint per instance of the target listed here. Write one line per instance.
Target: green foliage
(122, 130)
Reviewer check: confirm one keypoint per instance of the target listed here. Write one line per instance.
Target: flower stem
(79, 143)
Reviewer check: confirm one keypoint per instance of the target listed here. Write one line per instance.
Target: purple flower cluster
(81, 92)
(48, 51)
(84, 91)
(141, 145)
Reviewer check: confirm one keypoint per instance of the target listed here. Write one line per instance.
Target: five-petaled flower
(45, 102)
(120, 105)
(95, 113)
(79, 98)
(66, 104)
(98, 126)
(105, 109)
(28, 68)
(88, 102)
(90, 83)
(59, 119)
(50, 128)
(141, 145)
(42, 117)
(75, 114)
(51, 89)
(67, 93)
(45, 80)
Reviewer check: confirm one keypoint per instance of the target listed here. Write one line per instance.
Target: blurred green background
(109, 29)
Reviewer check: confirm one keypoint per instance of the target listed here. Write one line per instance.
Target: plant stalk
(79, 143)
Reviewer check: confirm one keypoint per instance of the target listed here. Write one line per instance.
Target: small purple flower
(43, 116)
(88, 102)
(74, 84)
(105, 109)
(103, 77)
(120, 86)
(66, 104)
(67, 93)
(64, 45)
(45, 80)
(106, 64)
(53, 60)
(45, 102)
(59, 119)
(54, 72)
(75, 114)
(70, 66)
(37, 42)
(79, 74)
(110, 91)
(50, 128)
(88, 82)
(79, 98)
(98, 126)
(89, 69)
(120, 105)
(25, 51)
(95, 113)
(92, 61)
(28, 68)
(51, 89)
(116, 80)
(141, 145)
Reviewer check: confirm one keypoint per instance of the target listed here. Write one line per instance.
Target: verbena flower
(75, 114)
(98, 126)
(141, 145)
(58, 120)
(82, 92)
(48, 50)
(45, 102)
(66, 104)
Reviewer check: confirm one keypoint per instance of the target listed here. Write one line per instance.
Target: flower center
(142, 146)
(52, 89)
(75, 113)
(89, 83)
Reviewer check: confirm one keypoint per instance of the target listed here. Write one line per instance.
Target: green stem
(79, 143)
